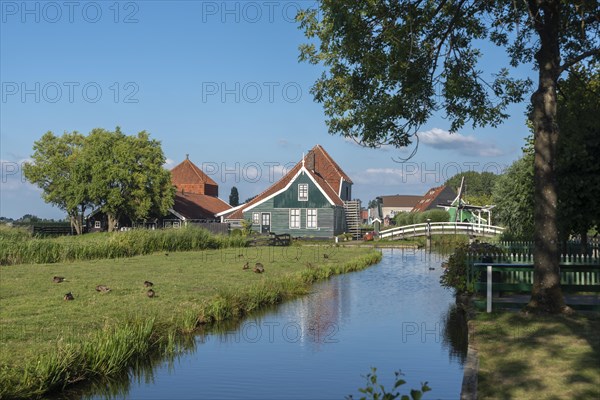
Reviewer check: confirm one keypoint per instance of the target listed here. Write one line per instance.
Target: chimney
(310, 161)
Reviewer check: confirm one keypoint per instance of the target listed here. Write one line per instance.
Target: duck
(58, 279)
(150, 293)
(325, 256)
(259, 268)
(246, 266)
(431, 268)
(102, 288)
(69, 296)
(148, 284)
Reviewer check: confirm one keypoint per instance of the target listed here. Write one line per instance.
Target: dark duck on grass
(58, 279)
(69, 296)
(148, 284)
(150, 293)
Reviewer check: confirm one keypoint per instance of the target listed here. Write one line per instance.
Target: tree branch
(569, 63)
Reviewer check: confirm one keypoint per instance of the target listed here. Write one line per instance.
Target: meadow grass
(538, 357)
(19, 247)
(47, 343)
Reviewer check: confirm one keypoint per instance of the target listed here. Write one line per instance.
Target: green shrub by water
(18, 248)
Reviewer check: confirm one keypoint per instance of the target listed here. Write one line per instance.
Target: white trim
(299, 218)
(301, 170)
(341, 185)
(175, 213)
(229, 210)
(316, 218)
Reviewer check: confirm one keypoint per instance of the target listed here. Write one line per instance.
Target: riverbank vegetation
(48, 342)
(549, 357)
(18, 246)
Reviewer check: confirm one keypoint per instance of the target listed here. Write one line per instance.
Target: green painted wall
(330, 219)
(289, 198)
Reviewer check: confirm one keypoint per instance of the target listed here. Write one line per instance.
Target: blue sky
(219, 81)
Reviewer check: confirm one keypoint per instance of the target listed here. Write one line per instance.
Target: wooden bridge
(440, 228)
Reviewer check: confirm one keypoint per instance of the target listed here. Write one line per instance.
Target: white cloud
(464, 145)
(168, 163)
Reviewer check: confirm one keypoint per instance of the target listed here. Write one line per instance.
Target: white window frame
(304, 189)
(97, 225)
(295, 218)
(310, 225)
(256, 218)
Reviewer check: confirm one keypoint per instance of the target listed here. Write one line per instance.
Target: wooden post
(489, 289)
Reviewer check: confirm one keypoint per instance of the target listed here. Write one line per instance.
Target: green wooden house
(312, 200)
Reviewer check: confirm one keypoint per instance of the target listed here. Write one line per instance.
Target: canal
(392, 316)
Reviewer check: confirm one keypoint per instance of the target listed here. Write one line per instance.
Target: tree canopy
(478, 186)
(122, 175)
(391, 64)
(234, 197)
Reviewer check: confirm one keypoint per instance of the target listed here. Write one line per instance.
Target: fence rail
(513, 266)
(440, 228)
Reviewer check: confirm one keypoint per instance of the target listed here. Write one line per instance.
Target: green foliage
(234, 197)
(246, 227)
(63, 173)
(513, 197)
(121, 174)
(456, 273)
(410, 218)
(477, 184)
(376, 391)
(15, 250)
(578, 167)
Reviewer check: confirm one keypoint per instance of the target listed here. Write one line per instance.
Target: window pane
(294, 218)
(311, 218)
(303, 191)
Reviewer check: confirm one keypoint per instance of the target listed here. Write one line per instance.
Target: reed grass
(17, 247)
(48, 343)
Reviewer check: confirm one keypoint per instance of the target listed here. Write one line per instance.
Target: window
(311, 218)
(97, 225)
(303, 192)
(295, 218)
(256, 218)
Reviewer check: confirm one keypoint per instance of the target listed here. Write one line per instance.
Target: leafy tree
(578, 167)
(477, 184)
(60, 170)
(121, 174)
(391, 64)
(234, 197)
(513, 197)
(128, 177)
(373, 203)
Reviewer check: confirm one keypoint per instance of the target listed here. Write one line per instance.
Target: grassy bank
(525, 357)
(19, 247)
(48, 342)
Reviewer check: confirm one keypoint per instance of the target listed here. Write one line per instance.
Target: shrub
(455, 275)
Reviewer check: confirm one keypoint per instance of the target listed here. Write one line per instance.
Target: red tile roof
(190, 178)
(198, 206)
(430, 199)
(321, 167)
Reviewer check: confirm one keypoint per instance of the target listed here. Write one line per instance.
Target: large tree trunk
(546, 295)
(112, 222)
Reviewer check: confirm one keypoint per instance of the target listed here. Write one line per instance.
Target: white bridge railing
(441, 228)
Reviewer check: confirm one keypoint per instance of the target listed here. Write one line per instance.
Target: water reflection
(455, 333)
(392, 316)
